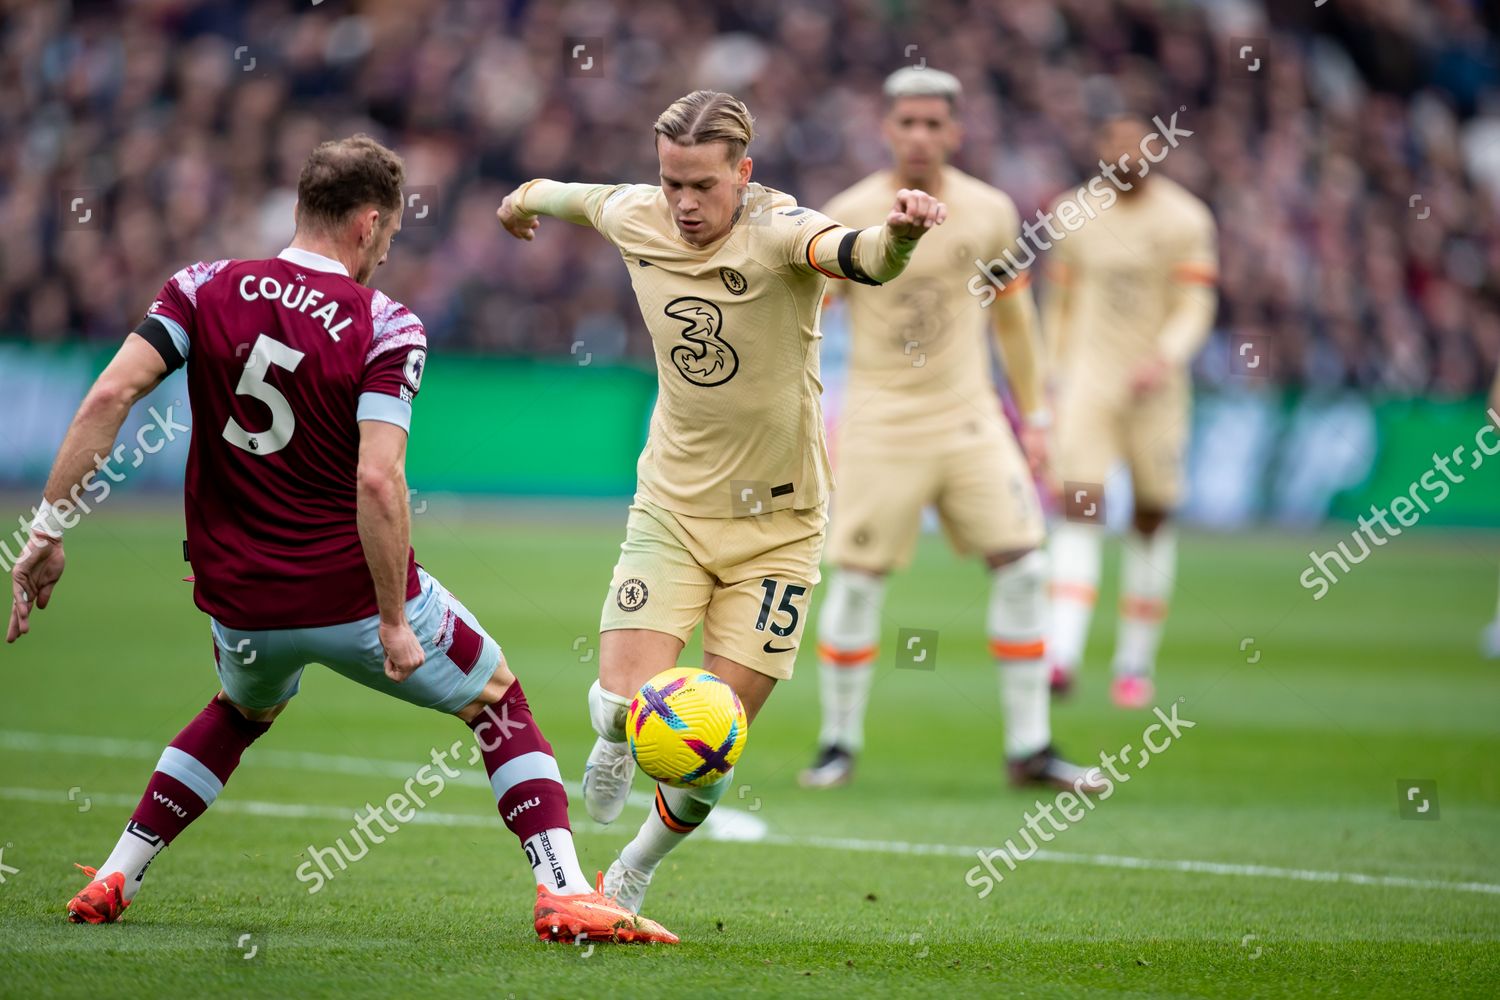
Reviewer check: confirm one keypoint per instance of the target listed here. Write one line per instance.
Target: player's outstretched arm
(384, 518)
(135, 370)
(580, 204)
(879, 253)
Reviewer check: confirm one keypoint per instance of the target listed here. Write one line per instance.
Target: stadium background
(1354, 172)
(1350, 152)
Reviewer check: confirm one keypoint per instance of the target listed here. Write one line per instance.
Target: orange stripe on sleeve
(1195, 274)
(812, 247)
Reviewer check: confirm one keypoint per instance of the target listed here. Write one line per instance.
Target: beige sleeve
(1015, 320)
(581, 204)
(1016, 332)
(836, 209)
(1060, 270)
(870, 256)
(1194, 301)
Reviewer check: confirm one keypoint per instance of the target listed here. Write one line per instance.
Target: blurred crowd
(1350, 151)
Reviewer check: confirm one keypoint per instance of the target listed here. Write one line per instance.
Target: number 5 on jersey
(263, 355)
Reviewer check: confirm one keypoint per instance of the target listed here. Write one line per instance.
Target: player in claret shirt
(302, 379)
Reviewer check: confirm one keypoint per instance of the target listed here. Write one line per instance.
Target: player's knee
(607, 712)
(850, 616)
(1148, 520)
(494, 689)
(255, 714)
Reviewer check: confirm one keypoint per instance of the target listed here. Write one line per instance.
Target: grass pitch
(1263, 854)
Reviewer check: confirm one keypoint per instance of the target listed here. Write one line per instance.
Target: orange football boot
(101, 901)
(593, 916)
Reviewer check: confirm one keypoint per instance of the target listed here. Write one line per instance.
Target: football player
(1132, 300)
(923, 425)
(302, 378)
(726, 529)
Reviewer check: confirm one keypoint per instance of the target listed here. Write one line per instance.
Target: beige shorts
(981, 486)
(749, 580)
(1149, 434)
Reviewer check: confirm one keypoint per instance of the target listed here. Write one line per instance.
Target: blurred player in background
(728, 520)
(301, 379)
(923, 425)
(1131, 302)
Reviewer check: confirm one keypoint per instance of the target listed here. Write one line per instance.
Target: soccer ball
(686, 727)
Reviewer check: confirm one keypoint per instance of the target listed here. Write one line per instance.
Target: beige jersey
(738, 426)
(1137, 279)
(919, 367)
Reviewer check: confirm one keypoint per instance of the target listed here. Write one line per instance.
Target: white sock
(554, 862)
(676, 813)
(1077, 550)
(1017, 622)
(848, 633)
(607, 712)
(134, 853)
(1148, 568)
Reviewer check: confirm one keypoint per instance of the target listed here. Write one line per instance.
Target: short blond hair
(708, 116)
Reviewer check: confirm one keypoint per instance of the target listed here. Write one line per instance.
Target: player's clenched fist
(519, 224)
(403, 652)
(915, 212)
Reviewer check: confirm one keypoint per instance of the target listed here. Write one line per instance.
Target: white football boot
(626, 886)
(606, 780)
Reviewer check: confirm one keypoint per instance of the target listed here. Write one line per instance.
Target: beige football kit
(922, 423)
(730, 510)
(1116, 281)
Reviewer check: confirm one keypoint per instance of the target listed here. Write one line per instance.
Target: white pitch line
(1143, 864)
(430, 817)
(736, 825)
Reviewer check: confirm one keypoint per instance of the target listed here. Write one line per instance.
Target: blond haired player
(1133, 300)
(923, 425)
(728, 520)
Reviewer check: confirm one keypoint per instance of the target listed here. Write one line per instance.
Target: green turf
(1293, 764)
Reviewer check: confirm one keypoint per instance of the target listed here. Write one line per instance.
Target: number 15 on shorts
(771, 610)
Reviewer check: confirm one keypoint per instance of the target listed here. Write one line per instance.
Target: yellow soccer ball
(686, 727)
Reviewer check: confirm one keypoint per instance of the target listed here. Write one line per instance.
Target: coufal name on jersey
(296, 297)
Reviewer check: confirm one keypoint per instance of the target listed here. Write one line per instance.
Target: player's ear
(369, 225)
(746, 165)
